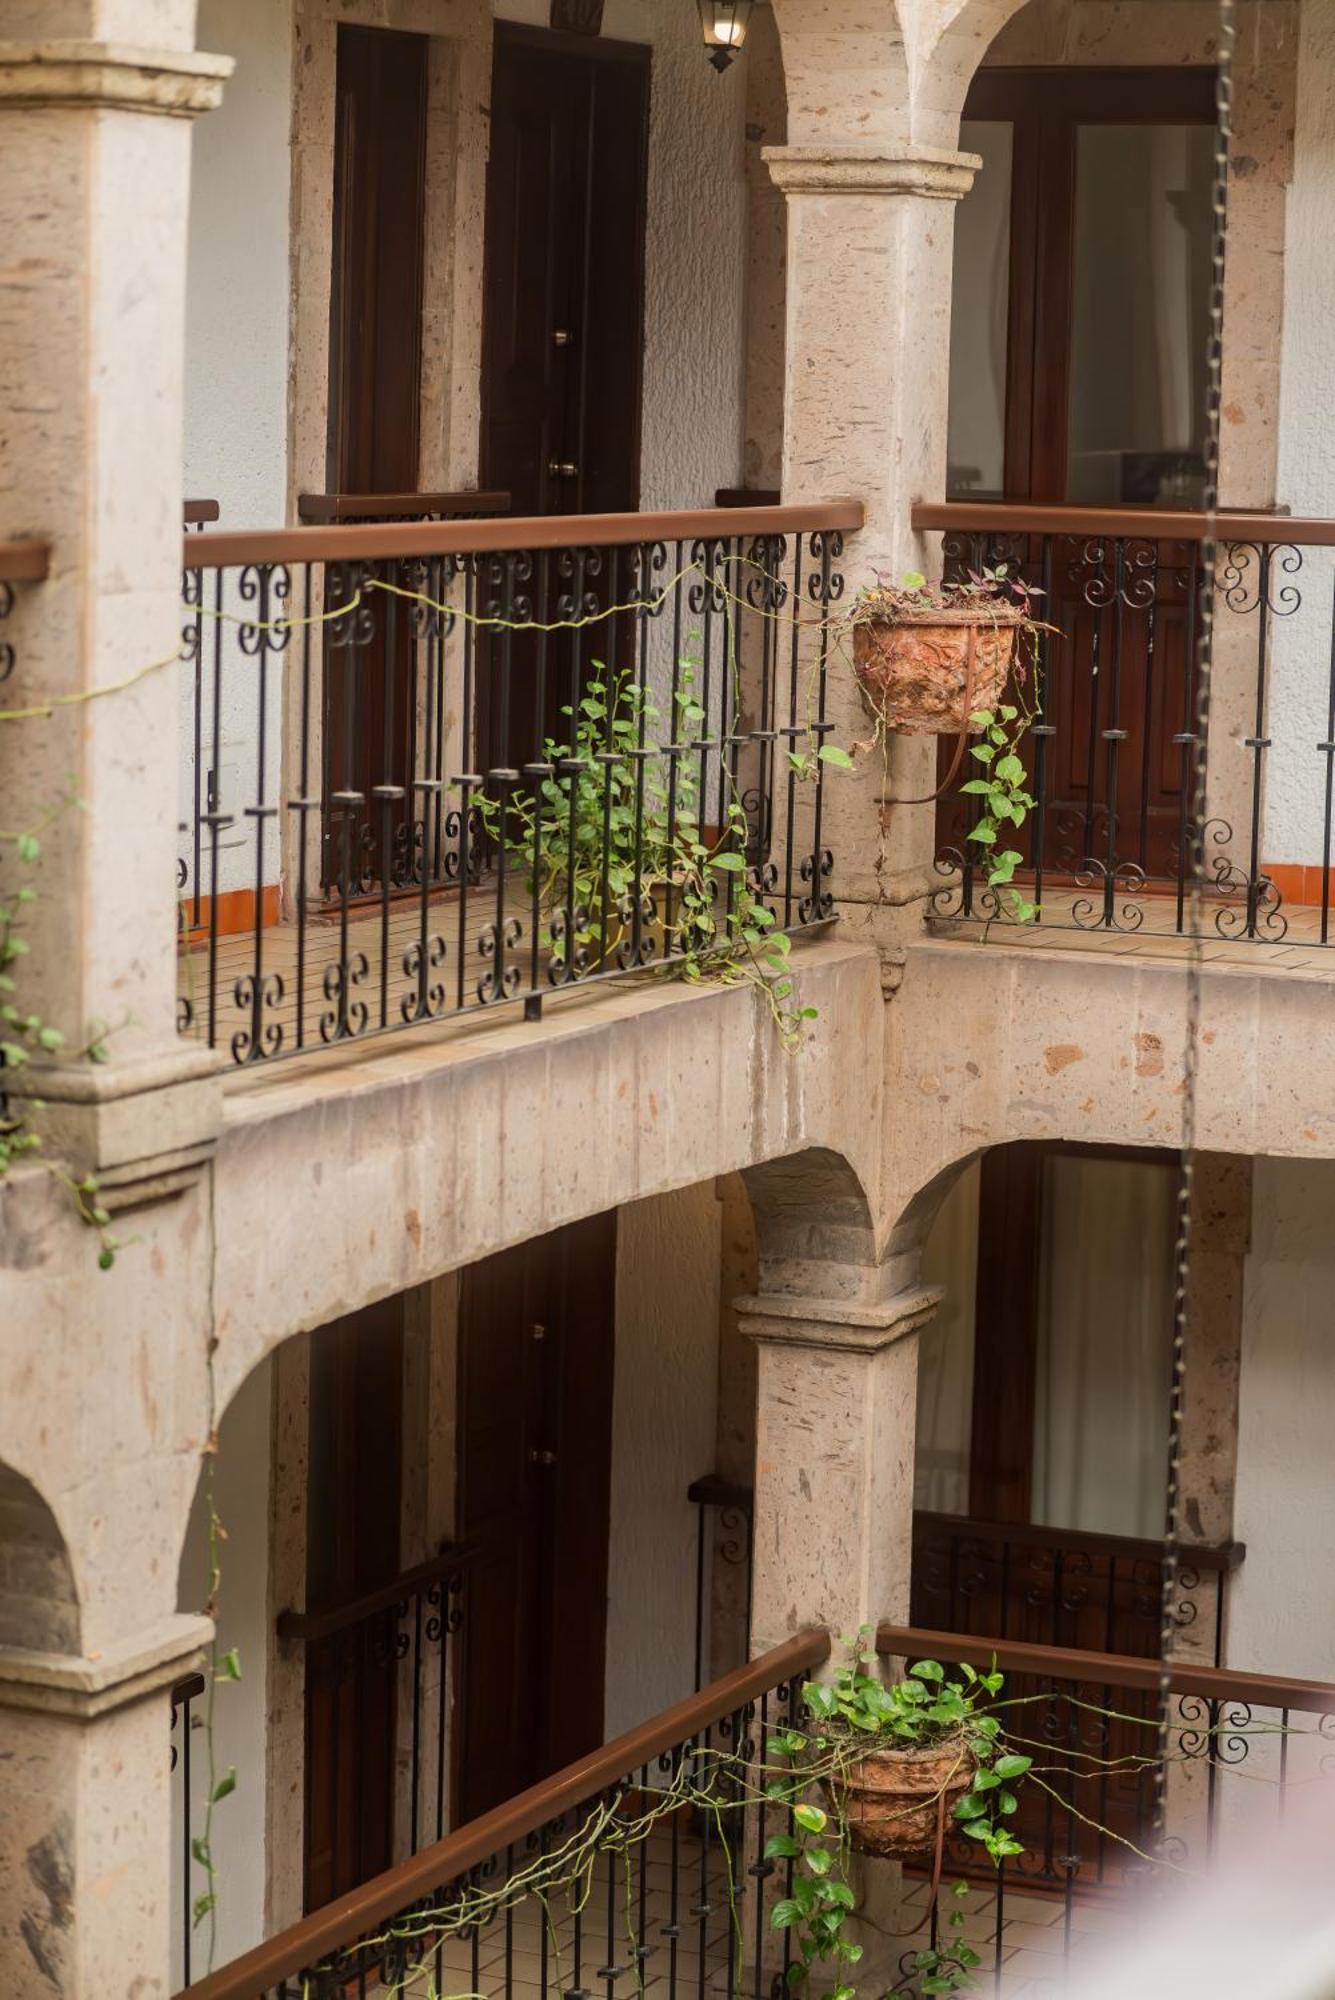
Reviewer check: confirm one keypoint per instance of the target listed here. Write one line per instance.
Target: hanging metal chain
(1196, 862)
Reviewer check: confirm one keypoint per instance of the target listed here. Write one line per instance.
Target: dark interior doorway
(375, 367)
(1078, 378)
(563, 318)
(535, 1443)
(353, 1545)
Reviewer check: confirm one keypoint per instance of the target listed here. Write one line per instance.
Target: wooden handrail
(1118, 1670)
(188, 1689)
(24, 562)
(324, 509)
(1213, 1557)
(1141, 524)
(323, 1623)
(341, 1922)
(196, 513)
(712, 1490)
(374, 543)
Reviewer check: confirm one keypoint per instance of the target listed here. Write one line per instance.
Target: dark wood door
(353, 1542)
(375, 365)
(535, 1438)
(1094, 295)
(562, 328)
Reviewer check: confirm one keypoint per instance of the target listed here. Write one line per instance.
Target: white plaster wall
(1301, 664)
(237, 273)
(1281, 1615)
(695, 252)
(236, 373)
(664, 1420)
(241, 1707)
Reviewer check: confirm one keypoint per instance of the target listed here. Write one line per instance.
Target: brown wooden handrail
(330, 1618)
(324, 509)
(1212, 1557)
(196, 513)
(712, 1490)
(188, 1689)
(341, 1922)
(374, 543)
(24, 562)
(1141, 524)
(1118, 1670)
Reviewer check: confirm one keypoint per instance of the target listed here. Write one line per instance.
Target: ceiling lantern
(725, 23)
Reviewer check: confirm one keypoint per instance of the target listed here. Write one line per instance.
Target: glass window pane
(1105, 1330)
(977, 430)
(1141, 314)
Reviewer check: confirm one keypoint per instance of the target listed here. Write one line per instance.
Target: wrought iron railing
(1043, 1586)
(439, 767)
(723, 1526)
(1234, 1748)
(667, 1898)
(379, 1793)
(1061, 1587)
(184, 1695)
(1109, 842)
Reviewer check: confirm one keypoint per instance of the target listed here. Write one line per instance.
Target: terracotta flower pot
(892, 1799)
(925, 672)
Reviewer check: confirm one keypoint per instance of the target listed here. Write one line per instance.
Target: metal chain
(1196, 926)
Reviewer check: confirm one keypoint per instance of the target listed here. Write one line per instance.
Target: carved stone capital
(855, 1325)
(927, 171)
(88, 1686)
(175, 83)
(145, 1128)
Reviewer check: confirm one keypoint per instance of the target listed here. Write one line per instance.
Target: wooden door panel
(562, 341)
(353, 1545)
(374, 427)
(535, 1389)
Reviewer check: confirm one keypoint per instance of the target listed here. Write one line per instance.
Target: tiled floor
(1299, 947)
(1039, 1939)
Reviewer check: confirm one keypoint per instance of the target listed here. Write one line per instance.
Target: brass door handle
(542, 1458)
(562, 468)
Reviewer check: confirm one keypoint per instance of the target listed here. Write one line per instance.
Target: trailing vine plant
(615, 850)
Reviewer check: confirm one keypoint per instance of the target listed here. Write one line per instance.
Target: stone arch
(947, 59)
(39, 1604)
(847, 66)
(816, 1233)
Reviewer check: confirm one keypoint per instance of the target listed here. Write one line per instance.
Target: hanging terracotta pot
(925, 672)
(894, 1800)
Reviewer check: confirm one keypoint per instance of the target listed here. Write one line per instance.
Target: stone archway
(39, 1604)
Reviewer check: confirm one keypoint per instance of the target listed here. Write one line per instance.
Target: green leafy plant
(618, 858)
(856, 1713)
(26, 1038)
(1003, 785)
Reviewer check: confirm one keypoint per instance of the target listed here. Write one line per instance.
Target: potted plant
(928, 657)
(901, 1764)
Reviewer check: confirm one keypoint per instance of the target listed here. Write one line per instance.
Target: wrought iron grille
(1110, 840)
(1238, 1745)
(674, 1907)
(440, 767)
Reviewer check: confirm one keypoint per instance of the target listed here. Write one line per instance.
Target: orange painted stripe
(230, 914)
(1301, 883)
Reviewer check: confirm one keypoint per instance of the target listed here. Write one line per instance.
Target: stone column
(85, 1883)
(870, 238)
(836, 1414)
(94, 176)
(836, 1408)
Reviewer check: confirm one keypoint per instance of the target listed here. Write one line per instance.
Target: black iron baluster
(1328, 749)
(1114, 736)
(416, 1750)
(672, 1929)
(1189, 836)
(998, 1926)
(702, 1907)
(303, 805)
(217, 819)
(793, 731)
(1042, 729)
(1258, 743)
